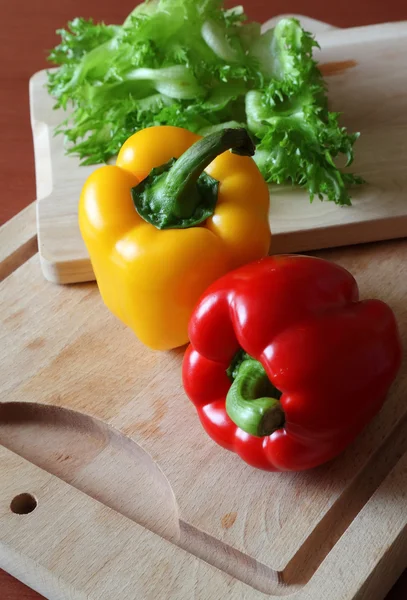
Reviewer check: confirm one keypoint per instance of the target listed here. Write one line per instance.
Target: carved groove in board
(231, 561)
(335, 522)
(99, 449)
(87, 455)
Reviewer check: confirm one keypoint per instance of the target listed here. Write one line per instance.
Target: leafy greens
(193, 64)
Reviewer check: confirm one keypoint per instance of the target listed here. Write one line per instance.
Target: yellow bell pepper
(160, 230)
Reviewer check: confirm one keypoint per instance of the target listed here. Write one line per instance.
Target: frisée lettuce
(193, 64)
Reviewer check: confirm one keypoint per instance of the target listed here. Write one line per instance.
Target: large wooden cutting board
(367, 75)
(131, 500)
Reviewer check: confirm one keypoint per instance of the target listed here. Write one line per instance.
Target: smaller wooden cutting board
(367, 75)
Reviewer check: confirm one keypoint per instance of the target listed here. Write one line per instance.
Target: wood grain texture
(35, 23)
(287, 527)
(372, 70)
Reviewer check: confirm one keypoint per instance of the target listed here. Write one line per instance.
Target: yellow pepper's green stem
(180, 194)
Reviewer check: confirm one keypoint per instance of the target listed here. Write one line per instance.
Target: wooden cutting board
(130, 500)
(367, 75)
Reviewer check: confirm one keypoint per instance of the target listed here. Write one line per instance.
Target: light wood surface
(370, 91)
(257, 533)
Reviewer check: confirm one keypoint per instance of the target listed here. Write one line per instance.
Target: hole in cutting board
(95, 459)
(23, 504)
(111, 468)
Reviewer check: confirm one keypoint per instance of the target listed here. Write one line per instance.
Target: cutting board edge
(80, 270)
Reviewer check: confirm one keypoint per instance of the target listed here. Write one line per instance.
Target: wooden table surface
(27, 30)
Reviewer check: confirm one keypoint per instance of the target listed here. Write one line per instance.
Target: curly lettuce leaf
(160, 52)
(301, 146)
(300, 140)
(193, 64)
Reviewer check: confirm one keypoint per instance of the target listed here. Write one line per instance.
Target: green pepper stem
(180, 194)
(181, 181)
(253, 402)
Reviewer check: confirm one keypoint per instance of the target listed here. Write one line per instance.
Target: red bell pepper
(286, 366)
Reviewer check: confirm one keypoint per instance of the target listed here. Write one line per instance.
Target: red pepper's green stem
(180, 194)
(252, 401)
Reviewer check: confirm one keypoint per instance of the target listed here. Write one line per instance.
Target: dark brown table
(27, 30)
